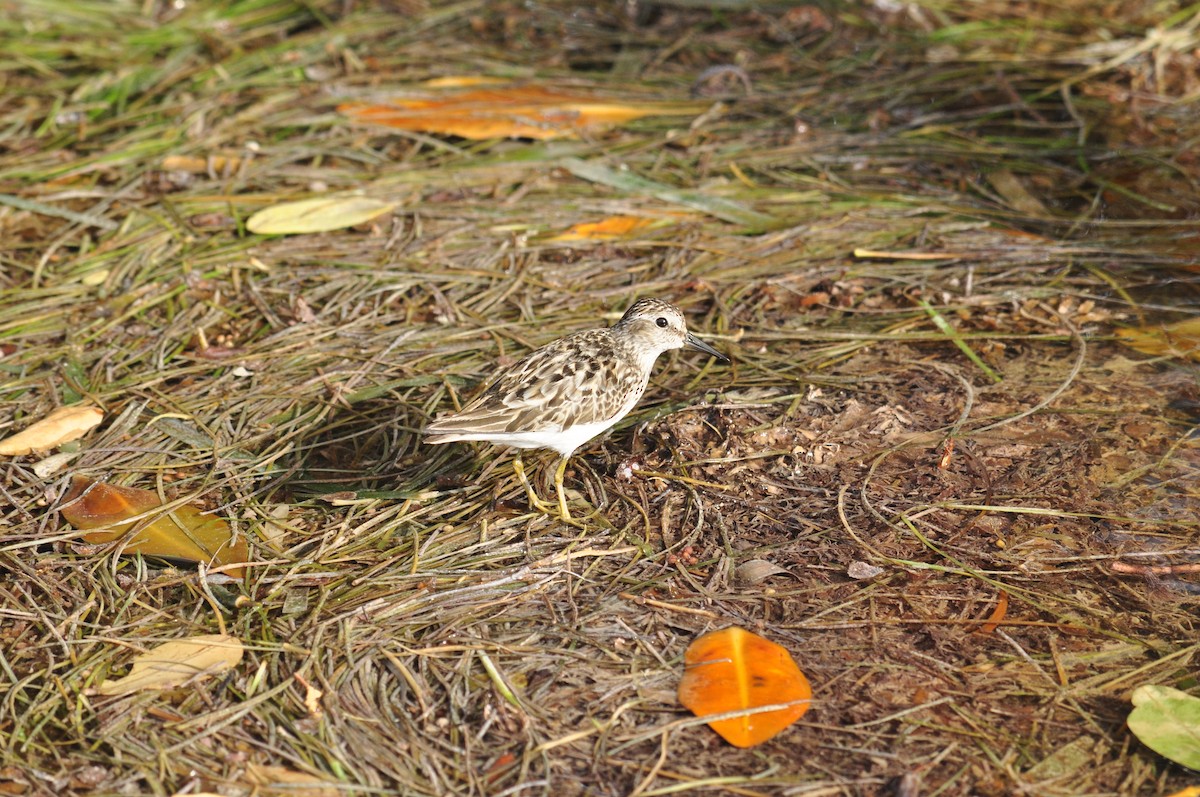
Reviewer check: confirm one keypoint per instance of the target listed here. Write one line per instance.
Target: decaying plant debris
(976, 508)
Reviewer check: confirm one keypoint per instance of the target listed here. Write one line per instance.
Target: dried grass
(465, 646)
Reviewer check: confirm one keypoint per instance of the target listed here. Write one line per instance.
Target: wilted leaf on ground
(899, 255)
(997, 615)
(283, 781)
(863, 570)
(177, 662)
(635, 185)
(755, 571)
(317, 215)
(1014, 192)
(218, 164)
(274, 531)
(509, 112)
(183, 533)
(1067, 760)
(61, 426)
(734, 670)
(45, 468)
(1181, 339)
(608, 228)
(464, 81)
(1168, 722)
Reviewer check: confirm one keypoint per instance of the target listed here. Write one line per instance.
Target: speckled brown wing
(559, 385)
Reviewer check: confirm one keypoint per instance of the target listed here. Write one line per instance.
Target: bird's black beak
(693, 342)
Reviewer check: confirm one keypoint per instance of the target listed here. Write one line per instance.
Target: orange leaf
(735, 670)
(182, 533)
(617, 227)
(1181, 339)
(998, 614)
(605, 229)
(508, 111)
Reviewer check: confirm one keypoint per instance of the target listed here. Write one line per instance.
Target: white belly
(563, 442)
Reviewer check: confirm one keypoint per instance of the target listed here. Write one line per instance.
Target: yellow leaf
(272, 780)
(61, 426)
(464, 81)
(184, 533)
(1181, 339)
(885, 255)
(218, 164)
(94, 278)
(176, 663)
(735, 670)
(312, 696)
(317, 215)
(274, 530)
(509, 111)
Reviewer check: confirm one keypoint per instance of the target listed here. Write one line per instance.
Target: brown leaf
(863, 570)
(734, 670)
(1181, 339)
(176, 663)
(61, 426)
(183, 533)
(1013, 191)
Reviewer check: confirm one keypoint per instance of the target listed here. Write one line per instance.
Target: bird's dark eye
(662, 322)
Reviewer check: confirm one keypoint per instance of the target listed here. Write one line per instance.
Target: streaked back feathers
(568, 391)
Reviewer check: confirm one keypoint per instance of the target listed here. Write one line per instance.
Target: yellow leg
(559, 472)
(535, 503)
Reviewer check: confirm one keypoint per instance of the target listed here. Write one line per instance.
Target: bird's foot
(559, 510)
(535, 502)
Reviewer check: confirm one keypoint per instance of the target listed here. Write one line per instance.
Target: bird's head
(659, 326)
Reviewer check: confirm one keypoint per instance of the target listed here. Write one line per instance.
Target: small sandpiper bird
(571, 390)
